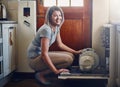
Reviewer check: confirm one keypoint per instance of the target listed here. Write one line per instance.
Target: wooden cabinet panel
(71, 33)
(40, 22)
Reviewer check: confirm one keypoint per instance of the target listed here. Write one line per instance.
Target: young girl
(40, 59)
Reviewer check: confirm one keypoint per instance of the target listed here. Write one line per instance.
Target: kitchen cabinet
(7, 47)
(25, 33)
(1, 55)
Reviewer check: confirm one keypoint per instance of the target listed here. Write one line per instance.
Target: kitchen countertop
(7, 22)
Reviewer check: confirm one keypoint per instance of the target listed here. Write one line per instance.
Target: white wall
(12, 9)
(114, 11)
(100, 16)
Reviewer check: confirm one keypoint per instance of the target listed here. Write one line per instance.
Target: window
(49, 2)
(63, 3)
(76, 2)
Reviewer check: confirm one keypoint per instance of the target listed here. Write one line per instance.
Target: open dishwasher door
(89, 67)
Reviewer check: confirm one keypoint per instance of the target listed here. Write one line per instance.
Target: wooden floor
(32, 83)
(55, 83)
(27, 80)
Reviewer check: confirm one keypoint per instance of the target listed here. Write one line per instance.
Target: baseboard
(23, 75)
(28, 75)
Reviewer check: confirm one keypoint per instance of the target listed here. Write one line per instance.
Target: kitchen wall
(114, 11)
(12, 9)
(104, 11)
(100, 17)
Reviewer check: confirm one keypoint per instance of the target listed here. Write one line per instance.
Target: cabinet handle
(11, 27)
(10, 39)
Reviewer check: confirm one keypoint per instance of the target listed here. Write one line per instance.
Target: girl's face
(56, 18)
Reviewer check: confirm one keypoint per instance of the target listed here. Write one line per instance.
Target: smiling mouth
(58, 21)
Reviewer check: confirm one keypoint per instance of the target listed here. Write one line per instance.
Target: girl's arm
(45, 56)
(64, 47)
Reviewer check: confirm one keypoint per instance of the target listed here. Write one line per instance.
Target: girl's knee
(68, 59)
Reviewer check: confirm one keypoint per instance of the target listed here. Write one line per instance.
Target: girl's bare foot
(41, 79)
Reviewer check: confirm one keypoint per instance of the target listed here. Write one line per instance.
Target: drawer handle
(11, 27)
(10, 39)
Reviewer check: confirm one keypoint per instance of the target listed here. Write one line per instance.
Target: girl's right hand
(62, 70)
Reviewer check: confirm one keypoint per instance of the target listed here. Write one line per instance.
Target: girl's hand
(78, 52)
(61, 70)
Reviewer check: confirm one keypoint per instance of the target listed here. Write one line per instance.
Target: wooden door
(76, 30)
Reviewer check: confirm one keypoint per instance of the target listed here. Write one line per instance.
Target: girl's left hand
(78, 52)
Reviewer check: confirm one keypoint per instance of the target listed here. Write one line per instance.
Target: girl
(40, 59)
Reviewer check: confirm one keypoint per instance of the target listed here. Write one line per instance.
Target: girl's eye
(59, 16)
(54, 15)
